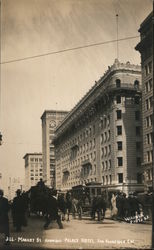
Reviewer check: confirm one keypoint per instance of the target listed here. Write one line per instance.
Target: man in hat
(4, 220)
(18, 211)
(52, 210)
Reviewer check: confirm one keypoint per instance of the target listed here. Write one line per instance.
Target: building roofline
(27, 154)
(53, 111)
(116, 66)
(146, 20)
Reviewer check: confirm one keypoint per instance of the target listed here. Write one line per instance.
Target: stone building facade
(50, 119)
(33, 169)
(145, 48)
(100, 140)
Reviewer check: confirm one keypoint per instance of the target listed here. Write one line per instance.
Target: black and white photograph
(76, 124)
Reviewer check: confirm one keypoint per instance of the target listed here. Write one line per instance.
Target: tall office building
(100, 140)
(50, 119)
(33, 169)
(145, 48)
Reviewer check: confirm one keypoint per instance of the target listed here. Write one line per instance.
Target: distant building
(14, 184)
(145, 48)
(50, 119)
(100, 140)
(33, 169)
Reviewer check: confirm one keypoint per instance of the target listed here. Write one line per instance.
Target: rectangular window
(118, 99)
(102, 138)
(150, 119)
(147, 121)
(138, 131)
(150, 102)
(147, 104)
(119, 130)
(148, 138)
(138, 161)
(118, 114)
(138, 145)
(119, 145)
(150, 84)
(139, 178)
(137, 115)
(146, 70)
(120, 178)
(106, 179)
(146, 87)
(110, 179)
(120, 161)
(149, 67)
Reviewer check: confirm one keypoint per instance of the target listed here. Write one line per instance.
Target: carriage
(85, 195)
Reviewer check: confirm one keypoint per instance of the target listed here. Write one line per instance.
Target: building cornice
(98, 90)
(50, 112)
(29, 154)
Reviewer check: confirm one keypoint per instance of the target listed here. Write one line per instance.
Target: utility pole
(117, 21)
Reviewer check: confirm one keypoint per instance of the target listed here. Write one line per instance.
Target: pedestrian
(52, 210)
(4, 219)
(62, 205)
(114, 209)
(74, 207)
(18, 211)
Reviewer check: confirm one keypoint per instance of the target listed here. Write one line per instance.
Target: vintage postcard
(76, 124)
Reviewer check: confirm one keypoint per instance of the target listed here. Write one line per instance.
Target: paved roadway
(81, 234)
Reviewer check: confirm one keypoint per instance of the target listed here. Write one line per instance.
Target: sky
(58, 81)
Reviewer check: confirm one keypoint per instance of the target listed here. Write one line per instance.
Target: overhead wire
(69, 49)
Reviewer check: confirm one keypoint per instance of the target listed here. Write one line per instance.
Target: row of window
(35, 159)
(105, 121)
(105, 136)
(148, 103)
(149, 138)
(148, 86)
(149, 121)
(106, 165)
(150, 156)
(36, 170)
(148, 69)
(106, 151)
(118, 83)
(32, 174)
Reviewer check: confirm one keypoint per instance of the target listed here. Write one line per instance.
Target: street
(81, 234)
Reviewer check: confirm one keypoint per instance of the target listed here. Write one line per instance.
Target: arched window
(136, 83)
(118, 83)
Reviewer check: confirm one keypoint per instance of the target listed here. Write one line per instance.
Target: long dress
(114, 209)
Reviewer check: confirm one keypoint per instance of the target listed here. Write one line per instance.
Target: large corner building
(100, 140)
(50, 120)
(145, 48)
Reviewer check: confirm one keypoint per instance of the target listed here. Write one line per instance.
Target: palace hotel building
(145, 48)
(100, 139)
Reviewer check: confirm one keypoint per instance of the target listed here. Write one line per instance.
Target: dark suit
(52, 212)
(18, 212)
(4, 220)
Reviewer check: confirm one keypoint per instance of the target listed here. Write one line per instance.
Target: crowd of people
(125, 207)
(51, 205)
